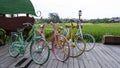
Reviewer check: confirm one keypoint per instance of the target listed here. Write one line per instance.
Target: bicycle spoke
(62, 50)
(40, 51)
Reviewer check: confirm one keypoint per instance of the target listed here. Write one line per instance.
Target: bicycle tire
(90, 41)
(77, 47)
(39, 51)
(59, 47)
(12, 46)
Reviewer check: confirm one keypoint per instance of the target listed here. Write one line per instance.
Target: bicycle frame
(41, 32)
(55, 42)
(40, 47)
(55, 33)
(22, 47)
(76, 42)
(71, 34)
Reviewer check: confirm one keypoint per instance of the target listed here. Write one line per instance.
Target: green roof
(16, 7)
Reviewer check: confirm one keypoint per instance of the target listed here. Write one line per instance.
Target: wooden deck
(102, 56)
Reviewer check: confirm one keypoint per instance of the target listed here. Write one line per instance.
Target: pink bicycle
(60, 45)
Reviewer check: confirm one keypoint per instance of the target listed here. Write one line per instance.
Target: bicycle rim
(90, 41)
(77, 47)
(39, 51)
(61, 48)
(12, 43)
(12, 50)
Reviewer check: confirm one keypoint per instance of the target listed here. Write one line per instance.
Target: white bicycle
(90, 40)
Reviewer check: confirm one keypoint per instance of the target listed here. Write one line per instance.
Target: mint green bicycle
(17, 45)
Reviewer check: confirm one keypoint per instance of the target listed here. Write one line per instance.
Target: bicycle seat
(42, 25)
(20, 30)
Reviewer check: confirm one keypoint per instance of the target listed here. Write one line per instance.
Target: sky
(91, 9)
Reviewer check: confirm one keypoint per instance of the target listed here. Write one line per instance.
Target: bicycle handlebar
(27, 24)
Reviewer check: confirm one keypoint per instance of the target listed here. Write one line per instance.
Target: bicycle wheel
(60, 48)
(12, 46)
(90, 41)
(39, 51)
(77, 46)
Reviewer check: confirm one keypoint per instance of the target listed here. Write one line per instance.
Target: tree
(54, 17)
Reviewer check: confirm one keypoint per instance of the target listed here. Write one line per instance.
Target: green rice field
(98, 30)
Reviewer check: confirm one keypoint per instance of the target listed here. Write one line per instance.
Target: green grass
(97, 30)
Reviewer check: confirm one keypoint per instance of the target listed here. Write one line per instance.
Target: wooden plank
(19, 58)
(89, 46)
(65, 64)
(3, 50)
(4, 58)
(2, 47)
(86, 62)
(14, 64)
(110, 59)
(106, 58)
(44, 65)
(34, 65)
(75, 63)
(53, 62)
(92, 61)
(75, 60)
(8, 62)
(99, 59)
(40, 57)
(114, 48)
(112, 62)
(70, 64)
(60, 64)
(57, 63)
(50, 64)
(80, 61)
(112, 53)
(109, 53)
(3, 53)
